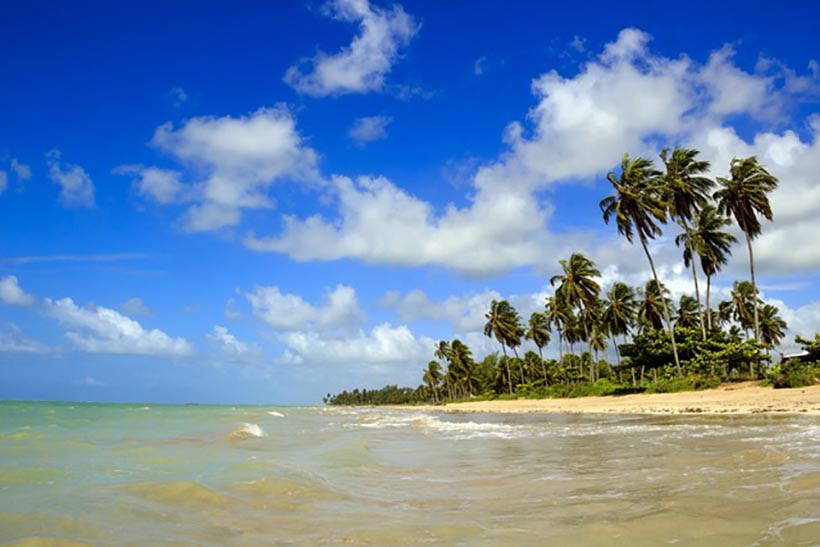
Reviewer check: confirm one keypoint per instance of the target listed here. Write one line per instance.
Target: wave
(247, 431)
(277, 414)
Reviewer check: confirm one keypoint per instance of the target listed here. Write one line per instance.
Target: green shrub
(687, 383)
(793, 373)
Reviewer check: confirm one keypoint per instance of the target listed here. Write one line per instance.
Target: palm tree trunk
(665, 307)
(589, 346)
(754, 286)
(708, 305)
(697, 297)
(617, 353)
(521, 366)
(507, 365)
(543, 364)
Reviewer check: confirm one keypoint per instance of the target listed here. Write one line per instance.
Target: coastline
(743, 398)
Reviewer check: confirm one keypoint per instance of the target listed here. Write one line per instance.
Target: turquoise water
(115, 474)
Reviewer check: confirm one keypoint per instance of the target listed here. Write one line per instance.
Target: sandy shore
(744, 398)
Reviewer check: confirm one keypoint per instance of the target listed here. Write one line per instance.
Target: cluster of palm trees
(644, 200)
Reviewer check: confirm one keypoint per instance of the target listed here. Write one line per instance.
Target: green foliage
(686, 383)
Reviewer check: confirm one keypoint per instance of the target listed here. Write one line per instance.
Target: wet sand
(742, 398)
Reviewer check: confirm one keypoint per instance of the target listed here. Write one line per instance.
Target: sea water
(121, 474)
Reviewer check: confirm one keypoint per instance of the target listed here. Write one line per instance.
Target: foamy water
(84, 474)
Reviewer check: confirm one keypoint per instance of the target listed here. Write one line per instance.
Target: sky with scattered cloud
(312, 202)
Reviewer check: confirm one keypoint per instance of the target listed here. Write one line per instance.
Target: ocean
(75, 474)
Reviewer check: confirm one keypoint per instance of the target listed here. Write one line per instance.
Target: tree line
(658, 344)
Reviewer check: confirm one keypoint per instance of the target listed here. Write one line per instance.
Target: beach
(740, 398)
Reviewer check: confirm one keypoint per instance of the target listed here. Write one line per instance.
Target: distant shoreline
(744, 398)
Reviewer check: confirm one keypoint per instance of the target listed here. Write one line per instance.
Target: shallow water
(102, 474)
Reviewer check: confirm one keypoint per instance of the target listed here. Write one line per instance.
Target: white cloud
(362, 66)
(240, 157)
(464, 313)
(21, 170)
(289, 312)
(135, 306)
(12, 340)
(384, 345)
(103, 330)
(232, 347)
(76, 187)
(178, 95)
(4, 181)
(369, 129)
(12, 294)
(160, 185)
(231, 312)
(626, 99)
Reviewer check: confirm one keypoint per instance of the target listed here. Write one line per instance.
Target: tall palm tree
(538, 331)
(558, 313)
(432, 377)
(711, 244)
(638, 207)
(739, 308)
(619, 312)
(686, 191)
(687, 312)
(577, 287)
(462, 361)
(744, 196)
(498, 326)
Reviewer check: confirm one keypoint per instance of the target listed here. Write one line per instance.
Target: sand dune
(744, 398)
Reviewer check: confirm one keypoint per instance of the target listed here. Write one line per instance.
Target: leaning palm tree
(432, 377)
(638, 207)
(538, 331)
(686, 191)
(713, 247)
(577, 287)
(558, 313)
(498, 326)
(744, 196)
(740, 306)
(687, 312)
(619, 312)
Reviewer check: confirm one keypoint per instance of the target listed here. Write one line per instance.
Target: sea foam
(247, 431)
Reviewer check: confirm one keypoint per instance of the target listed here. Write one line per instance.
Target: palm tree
(686, 190)
(771, 326)
(744, 196)
(432, 377)
(739, 308)
(712, 245)
(538, 331)
(687, 312)
(557, 313)
(638, 206)
(462, 361)
(498, 326)
(578, 288)
(650, 308)
(619, 312)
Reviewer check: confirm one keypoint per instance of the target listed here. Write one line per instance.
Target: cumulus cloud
(384, 345)
(230, 346)
(369, 129)
(290, 312)
(76, 187)
(103, 330)
(625, 99)
(240, 157)
(362, 66)
(13, 340)
(12, 294)
(231, 312)
(464, 313)
(135, 306)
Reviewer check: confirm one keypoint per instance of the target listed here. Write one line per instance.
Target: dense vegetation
(664, 345)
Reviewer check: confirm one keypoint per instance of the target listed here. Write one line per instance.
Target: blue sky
(266, 202)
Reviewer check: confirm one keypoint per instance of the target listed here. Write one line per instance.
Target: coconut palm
(712, 245)
(686, 191)
(744, 196)
(638, 207)
(538, 331)
(558, 313)
(650, 308)
(578, 288)
(498, 326)
(432, 377)
(688, 315)
(771, 326)
(739, 308)
(619, 312)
